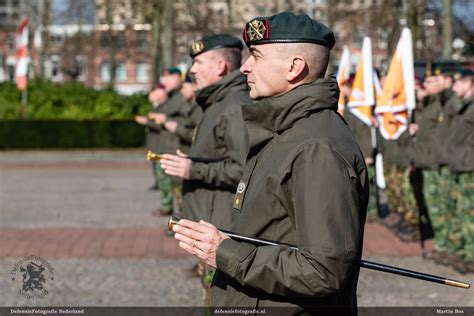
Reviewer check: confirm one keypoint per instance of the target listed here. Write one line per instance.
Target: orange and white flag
(21, 72)
(343, 73)
(398, 92)
(392, 125)
(361, 100)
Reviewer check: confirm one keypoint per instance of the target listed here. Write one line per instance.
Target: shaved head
(316, 57)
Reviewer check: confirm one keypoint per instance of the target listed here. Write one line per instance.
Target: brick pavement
(87, 243)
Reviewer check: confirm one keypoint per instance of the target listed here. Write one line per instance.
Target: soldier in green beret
(305, 181)
(425, 148)
(183, 125)
(462, 136)
(220, 139)
(190, 115)
(427, 121)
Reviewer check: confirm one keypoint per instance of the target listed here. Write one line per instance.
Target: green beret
(463, 73)
(217, 41)
(172, 71)
(287, 27)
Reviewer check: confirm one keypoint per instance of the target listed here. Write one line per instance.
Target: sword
(362, 263)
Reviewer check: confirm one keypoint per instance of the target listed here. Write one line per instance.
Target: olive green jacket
(397, 152)
(153, 132)
(461, 145)
(165, 141)
(189, 117)
(222, 138)
(426, 147)
(305, 183)
(451, 106)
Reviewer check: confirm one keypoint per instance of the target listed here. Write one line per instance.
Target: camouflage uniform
(457, 226)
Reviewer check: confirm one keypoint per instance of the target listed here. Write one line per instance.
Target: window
(121, 72)
(382, 38)
(57, 39)
(357, 37)
(142, 72)
(105, 71)
(80, 68)
(104, 40)
(142, 42)
(11, 41)
(55, 68)
(11, 73)
(121, 39)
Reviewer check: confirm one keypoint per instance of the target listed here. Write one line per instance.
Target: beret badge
(197, 47)
(256, 30)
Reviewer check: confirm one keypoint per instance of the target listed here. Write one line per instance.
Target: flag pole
(21, 71)
(383, 209)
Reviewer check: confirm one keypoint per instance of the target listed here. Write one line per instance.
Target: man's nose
(192, 69)
(245, 68)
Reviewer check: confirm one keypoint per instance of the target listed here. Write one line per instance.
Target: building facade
(117, 47)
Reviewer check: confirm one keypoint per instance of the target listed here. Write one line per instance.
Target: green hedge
(70, 101)
(16, 134)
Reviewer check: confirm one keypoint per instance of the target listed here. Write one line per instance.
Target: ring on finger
(194, 243)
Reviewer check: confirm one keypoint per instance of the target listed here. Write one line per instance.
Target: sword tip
(457, 284)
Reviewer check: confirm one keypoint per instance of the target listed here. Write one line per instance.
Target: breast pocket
(243, 184)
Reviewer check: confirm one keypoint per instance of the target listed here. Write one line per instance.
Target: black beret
(211, 42)
(287, 27)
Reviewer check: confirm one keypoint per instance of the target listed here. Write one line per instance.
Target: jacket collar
(445, 95)
(173, 92)
(234, 81)
(466, 104)
(275, 114)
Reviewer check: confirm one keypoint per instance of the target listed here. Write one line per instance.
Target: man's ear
(221, 68)
(297, 68)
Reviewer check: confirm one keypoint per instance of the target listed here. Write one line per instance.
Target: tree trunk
(447, 29)
(167, 35)
(111, 39)
(155, 45)
(45, 7)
